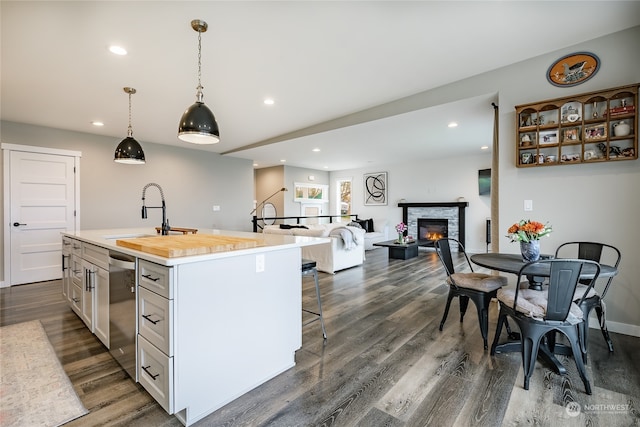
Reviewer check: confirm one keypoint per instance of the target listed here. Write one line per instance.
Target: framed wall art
(303, 192)
(573, 69)
(375, 189)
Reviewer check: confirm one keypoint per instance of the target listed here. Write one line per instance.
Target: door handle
(17, 224)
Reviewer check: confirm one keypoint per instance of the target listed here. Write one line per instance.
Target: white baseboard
(617, 327)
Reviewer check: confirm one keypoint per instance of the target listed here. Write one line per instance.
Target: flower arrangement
(527, 230)
(401, 228)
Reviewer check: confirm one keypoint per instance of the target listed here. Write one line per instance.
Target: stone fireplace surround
(454, 212)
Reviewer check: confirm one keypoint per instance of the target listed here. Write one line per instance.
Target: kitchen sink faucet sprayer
(165, 221)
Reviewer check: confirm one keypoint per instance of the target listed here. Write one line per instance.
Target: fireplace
(453, 212)
(432, 229)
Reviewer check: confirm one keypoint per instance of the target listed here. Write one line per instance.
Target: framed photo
(595, 132)
(375, 189)
(571, 135)
(526, 158)
(547, 138)
(303, 192)
(573, 69)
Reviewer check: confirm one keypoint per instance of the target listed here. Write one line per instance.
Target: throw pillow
(355, 224)
(287, 226)
(370, 228)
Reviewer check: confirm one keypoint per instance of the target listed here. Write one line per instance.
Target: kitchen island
(211, 326)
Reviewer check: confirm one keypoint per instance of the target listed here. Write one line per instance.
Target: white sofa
(375, 231)
(329, 257)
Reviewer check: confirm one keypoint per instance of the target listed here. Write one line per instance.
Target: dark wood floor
(385, 363)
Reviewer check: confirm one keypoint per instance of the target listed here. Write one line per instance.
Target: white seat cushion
(533, 303)
(580, 289)
(478, 281)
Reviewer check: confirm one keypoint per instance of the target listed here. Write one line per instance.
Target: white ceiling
(319, 61)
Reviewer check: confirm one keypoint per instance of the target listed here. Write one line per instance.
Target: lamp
(198, 124)
(129, 150)
(265, 200)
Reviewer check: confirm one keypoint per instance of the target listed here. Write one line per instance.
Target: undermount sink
(128, 236)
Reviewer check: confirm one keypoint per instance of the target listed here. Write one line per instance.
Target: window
(343, 196)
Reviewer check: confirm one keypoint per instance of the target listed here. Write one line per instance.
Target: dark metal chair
(541, 313)
(592, 251)
(478, 287)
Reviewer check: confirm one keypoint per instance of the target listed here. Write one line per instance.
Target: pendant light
(129, 150)
(198, 124)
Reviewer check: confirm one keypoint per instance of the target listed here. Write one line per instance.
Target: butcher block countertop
(207, 244)
(188, 244)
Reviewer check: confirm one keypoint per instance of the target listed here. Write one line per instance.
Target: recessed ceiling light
(326, 167)
(452, 125)
(484, 147)
(97, 123)
(269, 101)
(255, 164)
(282, 160)
(316, 150)
(118, 50)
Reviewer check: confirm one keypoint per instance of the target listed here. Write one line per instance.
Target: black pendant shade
(129, 151)
(198, 125)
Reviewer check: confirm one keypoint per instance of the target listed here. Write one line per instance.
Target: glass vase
(530, 250)
(400, 239)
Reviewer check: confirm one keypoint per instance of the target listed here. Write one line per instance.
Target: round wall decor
(573, 69)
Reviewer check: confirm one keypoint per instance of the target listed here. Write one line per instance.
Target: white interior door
(42, 204)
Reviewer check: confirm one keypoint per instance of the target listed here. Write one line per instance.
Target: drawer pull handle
(148, 276)
(148, 317)
(146, 369)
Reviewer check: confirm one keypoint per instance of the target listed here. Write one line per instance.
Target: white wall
(442, 180)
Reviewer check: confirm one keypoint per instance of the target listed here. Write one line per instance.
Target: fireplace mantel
(460, 217)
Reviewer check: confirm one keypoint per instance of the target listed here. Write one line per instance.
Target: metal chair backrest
(592, 251)
(563, 279)
(443, 249)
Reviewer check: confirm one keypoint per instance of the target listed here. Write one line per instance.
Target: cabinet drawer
(76, 270)
(76, 247)
(96, 255)
(155, 320)
(75, 297)
(156, 278)
(155, 373)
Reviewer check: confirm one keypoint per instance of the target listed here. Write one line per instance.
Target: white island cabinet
(212, 327)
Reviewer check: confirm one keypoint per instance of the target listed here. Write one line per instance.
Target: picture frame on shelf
(526, 158)
(548, 138)
(571, 135)
(595, 132)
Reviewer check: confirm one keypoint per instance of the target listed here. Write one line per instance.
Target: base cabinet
(86, 283)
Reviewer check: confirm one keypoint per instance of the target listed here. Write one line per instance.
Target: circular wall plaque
(573, 69)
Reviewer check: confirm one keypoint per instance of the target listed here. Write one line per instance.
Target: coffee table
(400, 250)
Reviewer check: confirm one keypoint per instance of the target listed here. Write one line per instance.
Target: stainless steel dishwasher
(122, 310)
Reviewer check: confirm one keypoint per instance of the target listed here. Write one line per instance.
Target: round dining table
(512, 263)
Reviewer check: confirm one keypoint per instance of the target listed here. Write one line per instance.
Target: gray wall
(110, 193)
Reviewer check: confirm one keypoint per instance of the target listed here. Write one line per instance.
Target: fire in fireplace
(430, 230)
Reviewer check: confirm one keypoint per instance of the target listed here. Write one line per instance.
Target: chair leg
(530, 346)
(572, 335)
(603, 327)
(464, 303)
(446, 309)
(482, 305)
(501, 320)
(315, 277)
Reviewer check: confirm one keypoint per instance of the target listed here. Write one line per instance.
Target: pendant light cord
(199, 94)
(129, 129)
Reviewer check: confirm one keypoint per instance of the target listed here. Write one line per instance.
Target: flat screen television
(484, 182)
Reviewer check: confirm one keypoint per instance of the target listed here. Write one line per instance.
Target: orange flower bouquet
(527, 230)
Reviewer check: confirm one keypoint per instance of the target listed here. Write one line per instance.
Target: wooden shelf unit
(578, 129)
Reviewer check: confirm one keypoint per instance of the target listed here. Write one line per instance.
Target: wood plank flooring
(385, 363)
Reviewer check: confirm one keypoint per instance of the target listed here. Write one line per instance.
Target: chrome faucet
(165, 221)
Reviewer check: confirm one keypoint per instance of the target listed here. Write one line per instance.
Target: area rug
(34, 389)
